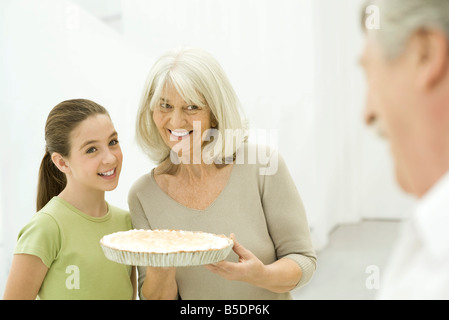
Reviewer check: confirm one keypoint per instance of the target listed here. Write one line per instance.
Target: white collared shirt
(419, 265)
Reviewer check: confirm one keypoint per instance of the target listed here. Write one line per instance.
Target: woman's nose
(177, 119)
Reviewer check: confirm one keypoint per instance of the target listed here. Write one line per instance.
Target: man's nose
(368, 114)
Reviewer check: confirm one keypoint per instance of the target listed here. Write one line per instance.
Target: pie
(165, 248)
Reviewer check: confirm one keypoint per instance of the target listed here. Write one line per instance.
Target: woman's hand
(280, 276)
(248, 269)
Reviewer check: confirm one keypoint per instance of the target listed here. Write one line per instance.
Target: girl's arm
(25, 277)
(160, 284)
(134, 281)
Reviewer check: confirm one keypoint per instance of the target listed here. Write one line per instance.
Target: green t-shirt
(67, 242)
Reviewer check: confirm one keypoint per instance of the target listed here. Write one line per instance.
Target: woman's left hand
(249, 268)
(280, 276)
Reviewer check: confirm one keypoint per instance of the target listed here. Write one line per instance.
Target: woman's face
(95, 159)
(181, 125)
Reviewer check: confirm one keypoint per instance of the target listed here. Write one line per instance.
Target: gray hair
(400, 19)
(200, 80)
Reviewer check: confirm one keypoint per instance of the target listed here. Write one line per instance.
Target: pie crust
(165, 248)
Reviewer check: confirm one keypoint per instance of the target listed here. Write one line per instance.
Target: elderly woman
(189, 122)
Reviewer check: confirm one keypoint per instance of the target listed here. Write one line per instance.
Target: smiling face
(95, 158)
(181, 125)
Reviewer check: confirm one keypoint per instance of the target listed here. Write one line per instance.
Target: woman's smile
(179, 134)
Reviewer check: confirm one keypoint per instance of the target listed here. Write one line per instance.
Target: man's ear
(433, 57)
(60, 162)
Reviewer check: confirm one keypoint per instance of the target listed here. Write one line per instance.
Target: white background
(293, 64)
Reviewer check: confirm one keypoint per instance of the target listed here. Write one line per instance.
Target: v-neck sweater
(264, 211)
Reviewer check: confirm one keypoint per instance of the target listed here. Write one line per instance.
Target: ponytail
(51, 181)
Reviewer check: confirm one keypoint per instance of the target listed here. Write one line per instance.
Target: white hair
(200, 80)
(400, 19)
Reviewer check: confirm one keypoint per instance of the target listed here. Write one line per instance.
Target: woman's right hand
(160, 283)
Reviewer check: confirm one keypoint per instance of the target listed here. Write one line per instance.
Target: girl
(58, 255)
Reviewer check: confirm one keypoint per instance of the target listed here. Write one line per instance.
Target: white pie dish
(165, 248)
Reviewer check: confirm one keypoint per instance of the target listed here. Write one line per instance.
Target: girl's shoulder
(41, 237)
(41, 221)
(117, 210)
(121, 217)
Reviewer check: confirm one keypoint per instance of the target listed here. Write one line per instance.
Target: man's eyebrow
(96, 141)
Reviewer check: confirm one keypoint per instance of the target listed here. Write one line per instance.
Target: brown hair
(61, 121)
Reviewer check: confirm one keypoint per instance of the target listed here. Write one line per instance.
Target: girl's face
(95, 159)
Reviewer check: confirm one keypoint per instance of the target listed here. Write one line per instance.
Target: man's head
(406, 61)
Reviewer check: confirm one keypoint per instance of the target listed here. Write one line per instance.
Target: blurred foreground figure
(406, 61)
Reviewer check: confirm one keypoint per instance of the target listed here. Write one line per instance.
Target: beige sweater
(265, 212)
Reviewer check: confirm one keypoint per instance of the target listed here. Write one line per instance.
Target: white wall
(354, 174)
(108, 11)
